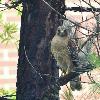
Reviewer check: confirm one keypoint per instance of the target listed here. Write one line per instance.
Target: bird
(61, 46)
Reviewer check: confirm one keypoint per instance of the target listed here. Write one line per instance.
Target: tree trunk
(37, 71)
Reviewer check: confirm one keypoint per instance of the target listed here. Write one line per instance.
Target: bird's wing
(60, 51)
(72, 47)
(75, 83)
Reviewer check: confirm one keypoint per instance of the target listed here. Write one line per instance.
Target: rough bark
(37, 71)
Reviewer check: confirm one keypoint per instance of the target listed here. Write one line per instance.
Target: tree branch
(65, 79)
(82, 9)
(13, 4)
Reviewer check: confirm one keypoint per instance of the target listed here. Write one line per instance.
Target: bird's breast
(60, 51)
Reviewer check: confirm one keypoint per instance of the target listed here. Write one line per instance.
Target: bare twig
(97, 2)
(13, 4)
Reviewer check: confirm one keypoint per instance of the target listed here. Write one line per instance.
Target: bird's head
(62, 33)
(66, 30)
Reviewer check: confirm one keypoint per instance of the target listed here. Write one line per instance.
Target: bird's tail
(75, 84)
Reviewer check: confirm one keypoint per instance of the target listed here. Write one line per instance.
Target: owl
(64, 53)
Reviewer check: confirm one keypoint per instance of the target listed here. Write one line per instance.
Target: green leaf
(4, 40)
(67, 94)
(10, 28)
(95, 87)
(1, 18)
(10, 93)
(19, 11)
(94, 59)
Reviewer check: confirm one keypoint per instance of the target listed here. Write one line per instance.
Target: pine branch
(13, 4)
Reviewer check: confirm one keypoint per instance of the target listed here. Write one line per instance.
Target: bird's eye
(65, 32)
(58, 32)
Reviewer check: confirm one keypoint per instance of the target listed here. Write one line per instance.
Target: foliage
(67, 94)
(94, 59)
(1, 20)
(10, 94)
(96, 87)
(19, 10)
(8, 32)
